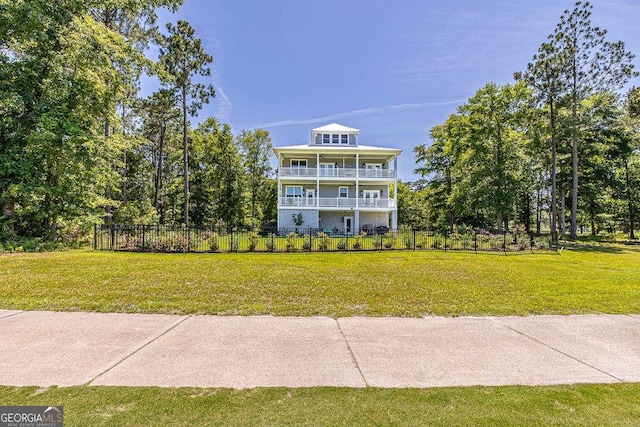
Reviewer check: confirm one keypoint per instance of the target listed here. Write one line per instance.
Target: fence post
(414, 239)
(273, 243)
(475, 241)
(310, 240)
(95, 237)
(445, 240)
(144, 230)
(113, 237)
(504, 242)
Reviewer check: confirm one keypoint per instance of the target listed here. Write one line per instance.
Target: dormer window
(335, 138)
(344, 139)
(326, 138)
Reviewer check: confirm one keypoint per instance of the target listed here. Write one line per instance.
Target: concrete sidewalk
(64, 349)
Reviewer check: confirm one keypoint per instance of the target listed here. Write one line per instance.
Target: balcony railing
(337, 173)
(336, 202)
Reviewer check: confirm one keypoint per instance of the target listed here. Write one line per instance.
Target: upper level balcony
(336, 202)
(349, 173)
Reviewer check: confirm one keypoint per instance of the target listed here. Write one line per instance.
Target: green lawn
(593, 405)
(595, 278)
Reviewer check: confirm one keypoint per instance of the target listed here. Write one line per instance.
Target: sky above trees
(391, 69)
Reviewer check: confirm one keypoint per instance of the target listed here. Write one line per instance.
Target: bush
(234, 243)
(291, 242)
(465, 241)
(342, 245)
(253, 241)
(214, 242)
(323, 242)
(437, 241)
(271, 245)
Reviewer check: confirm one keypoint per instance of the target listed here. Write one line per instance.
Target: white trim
(340, 192)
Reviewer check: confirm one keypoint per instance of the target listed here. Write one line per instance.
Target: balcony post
(317, 201)
(357, 179)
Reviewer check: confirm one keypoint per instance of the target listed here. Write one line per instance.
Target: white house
(337, 184)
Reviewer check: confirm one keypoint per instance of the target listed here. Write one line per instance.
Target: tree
(256, 148)
(159, 113)
(218, 178)
(590, 64)
(56, 64)
(490, 154)
(182, 57)
(544, 75)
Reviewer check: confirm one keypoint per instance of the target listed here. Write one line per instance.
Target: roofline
(336, 150)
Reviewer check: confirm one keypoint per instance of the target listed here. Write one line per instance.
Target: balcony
(336, 202)
(337, 173)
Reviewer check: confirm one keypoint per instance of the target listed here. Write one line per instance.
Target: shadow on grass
(596, 248)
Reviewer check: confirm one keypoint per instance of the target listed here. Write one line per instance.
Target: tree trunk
(156, 195)
(563, 214)
(108, 210)
(574, 157)
(629, 200)
(185, 150)
(500, 228)
(554, 147)
(593, 223)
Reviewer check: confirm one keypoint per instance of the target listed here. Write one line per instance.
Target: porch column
(356, 221)
(394, 215)
(357, 179)
(317, 199)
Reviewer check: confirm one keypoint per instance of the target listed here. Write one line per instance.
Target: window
(344, 139)
(293, 191)
(335, 138)
(325, 138)
(299, 163)
(343, 192)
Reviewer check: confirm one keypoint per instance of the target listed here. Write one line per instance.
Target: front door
(348, 224)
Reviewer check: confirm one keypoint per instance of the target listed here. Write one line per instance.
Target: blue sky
(392, 69)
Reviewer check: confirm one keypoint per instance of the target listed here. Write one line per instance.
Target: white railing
(335, 202)
(337, 173)
(299, 172)
(376, 173)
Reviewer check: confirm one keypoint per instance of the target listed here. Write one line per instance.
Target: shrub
(465, 241)
(214, 242)
(436, 242)
(342, 245)
(253, 241)
(271, 245)
(291, 242)
(234, 243)
(323, 242)
(389, 242)
(408, 241)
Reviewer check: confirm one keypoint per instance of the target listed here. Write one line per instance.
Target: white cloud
(358, 113)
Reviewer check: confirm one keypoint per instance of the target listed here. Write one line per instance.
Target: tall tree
(183, 58)
(544, 75)
(159, 112)
(590, 64)
(255, 148)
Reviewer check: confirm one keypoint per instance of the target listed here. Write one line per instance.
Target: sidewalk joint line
(557, 350)
(145, 344)
(12, 314)
(353, 356)
(633, 317)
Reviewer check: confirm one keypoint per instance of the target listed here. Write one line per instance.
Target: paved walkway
(64, 349)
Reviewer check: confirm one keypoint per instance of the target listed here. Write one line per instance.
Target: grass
(577, 405)
(587, 278)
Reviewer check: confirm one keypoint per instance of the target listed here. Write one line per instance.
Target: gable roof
(334, 127)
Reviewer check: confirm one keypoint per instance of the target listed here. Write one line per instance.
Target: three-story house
(336, 184)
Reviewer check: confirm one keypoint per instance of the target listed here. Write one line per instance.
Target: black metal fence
(162, 238)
